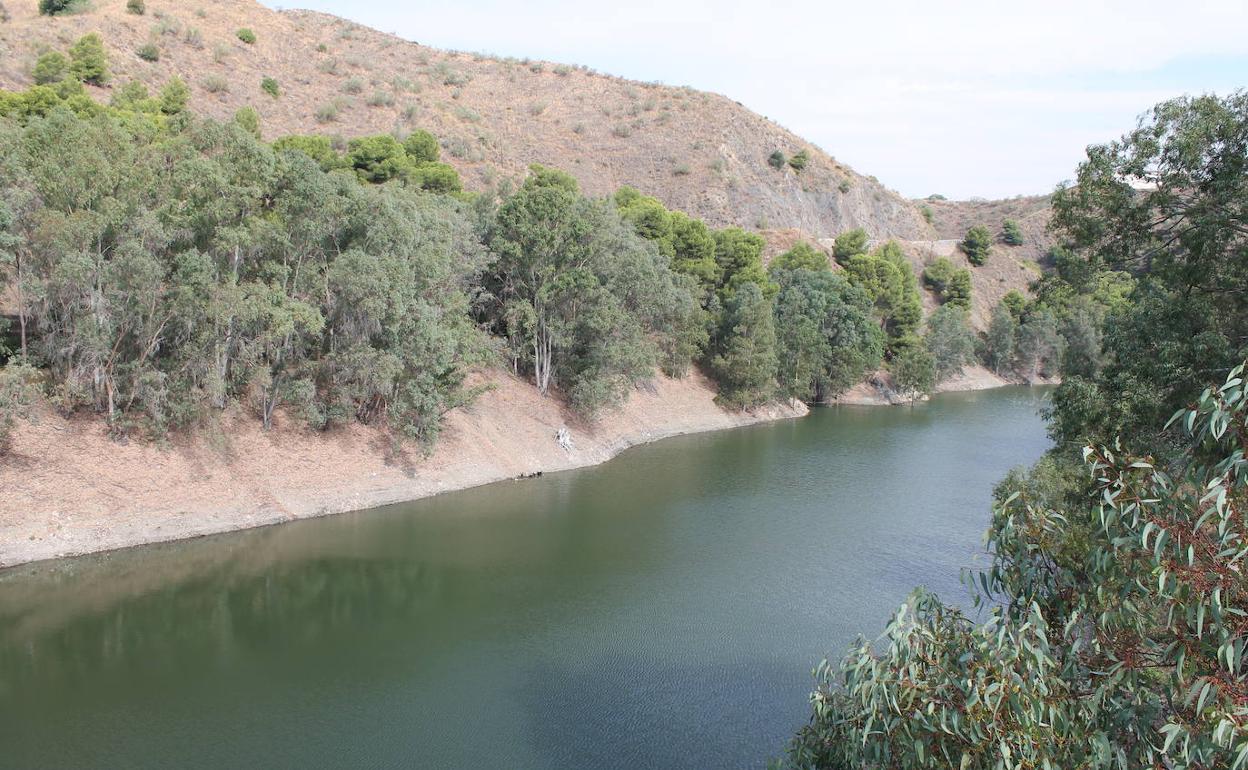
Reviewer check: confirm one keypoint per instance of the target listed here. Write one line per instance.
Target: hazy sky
(966, 99)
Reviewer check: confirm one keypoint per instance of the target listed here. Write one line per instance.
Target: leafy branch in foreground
(1116, 639)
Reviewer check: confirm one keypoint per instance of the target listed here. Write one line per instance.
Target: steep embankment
(69, 489)
(699, 152)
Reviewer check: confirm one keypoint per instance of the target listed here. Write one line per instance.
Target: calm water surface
(662, 610)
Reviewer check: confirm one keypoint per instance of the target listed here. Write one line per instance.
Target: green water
(662, 610)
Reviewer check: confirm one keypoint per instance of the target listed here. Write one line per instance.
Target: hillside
(698, 152)
(951, 220)
(388, 256)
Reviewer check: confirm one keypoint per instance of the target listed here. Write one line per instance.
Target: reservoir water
(664, 609)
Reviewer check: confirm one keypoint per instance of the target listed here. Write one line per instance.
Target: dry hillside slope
(699, 152)
(951, 220)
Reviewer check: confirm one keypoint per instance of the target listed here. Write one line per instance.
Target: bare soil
(70, 489)
(878, 390)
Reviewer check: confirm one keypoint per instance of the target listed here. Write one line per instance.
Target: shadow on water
(662, 610)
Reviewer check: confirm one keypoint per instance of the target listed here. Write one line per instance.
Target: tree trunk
(21, 304)
(542, 346)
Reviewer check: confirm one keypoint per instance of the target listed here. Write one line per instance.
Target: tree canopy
(1114, 633)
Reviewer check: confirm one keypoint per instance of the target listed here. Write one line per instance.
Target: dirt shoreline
(71, 490)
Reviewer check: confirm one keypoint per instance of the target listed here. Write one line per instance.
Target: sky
(966, 99)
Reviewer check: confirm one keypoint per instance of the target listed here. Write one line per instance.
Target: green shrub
(17, 396)
(131, 96)
(193, 37)
(938, 274)
(269, 86)
(137, 7)
(4, 13)
(777, 160)
(435, 177)
(51, 67)
(976, 244)
(1015, 302)
(353, 86)
(421, 147)
(802, 256)
(849, 244)
(1011, 234)
(249, 120)
(926, 211)
(914, 372)
(958, 292)
(247, 36)
(799, 160)
(318, 148)
(844, 186)
(58, 7)
(88, 60)
(148, 52)
(380, 99)
(173, 96)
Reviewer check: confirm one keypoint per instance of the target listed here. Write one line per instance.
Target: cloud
(972, 98)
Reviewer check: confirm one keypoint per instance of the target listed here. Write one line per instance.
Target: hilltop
(699, 152)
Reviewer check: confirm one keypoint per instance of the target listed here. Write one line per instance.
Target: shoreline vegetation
(182, 299)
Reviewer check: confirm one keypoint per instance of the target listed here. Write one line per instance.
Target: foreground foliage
(1117, 627)
(1168, 205)
(1116, 638)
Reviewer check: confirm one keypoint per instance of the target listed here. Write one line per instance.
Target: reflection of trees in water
(218, 615)
(541, 542)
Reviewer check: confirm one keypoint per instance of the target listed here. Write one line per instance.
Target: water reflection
(622, 616)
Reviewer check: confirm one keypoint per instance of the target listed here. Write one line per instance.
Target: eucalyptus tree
(1115, 631)
(585, 303)
(166, 266)
(1000, 340)
(744, 354)
(1168, 204)
(950, 341)
(825, 335)
(1115, 634)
